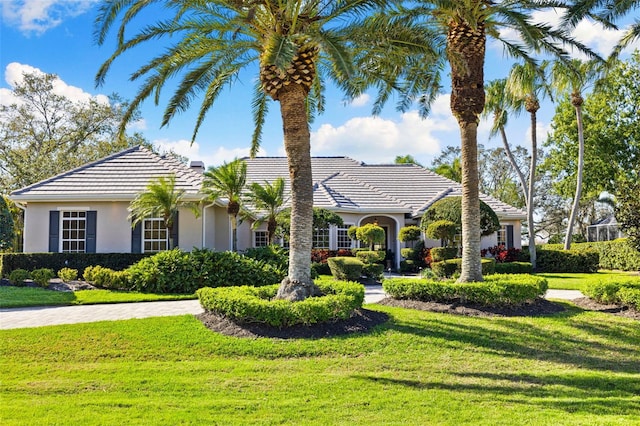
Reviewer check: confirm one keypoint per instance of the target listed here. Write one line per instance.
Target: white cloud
(360, 101)
(14, 75)
(38, 16)
(194, 153)
(379, 140)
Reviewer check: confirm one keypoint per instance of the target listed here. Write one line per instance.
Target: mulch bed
(592, 305)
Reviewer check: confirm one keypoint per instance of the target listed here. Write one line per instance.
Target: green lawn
(15, 297)
(575, 281)
(576, 368)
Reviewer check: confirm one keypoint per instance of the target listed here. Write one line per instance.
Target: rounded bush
(345, 268)
(107, 278)
(256, 304)
(18, 276)
(68, 274)
(514, 268)
(42, 276)
(439, 254)
(608, 290)
(451, 267)
(495, 290)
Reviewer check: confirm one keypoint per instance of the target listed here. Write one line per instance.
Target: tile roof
(119, 176)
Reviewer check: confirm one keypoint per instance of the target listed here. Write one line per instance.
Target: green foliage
(617, 254)
(370, 234)
(68, 274)
(107, 278)
(618, 290)
(443, 253)
(628, 206)
(371, 256)
(450, 208)
(320, 268)
(444, 230)
(495, 290)
(18, 276)
(513, 268)
(345, 268)
(409, 233)
(451, 267)
(248, 304)
(57, 261)
(352, 232)
(373, 271)
(559, 239)
(7, 233)
(558, 260)
(42, 276)
(407, 253)
(275, 256)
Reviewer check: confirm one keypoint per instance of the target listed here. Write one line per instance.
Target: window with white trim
(74, 231)
(502, 236)
(155, 237)
(321, 238)
(344, 242)
(261, 239)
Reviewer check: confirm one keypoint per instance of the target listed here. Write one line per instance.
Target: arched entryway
(391, 228)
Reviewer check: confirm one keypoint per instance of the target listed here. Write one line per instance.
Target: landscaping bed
(539, 307)
(592, 305)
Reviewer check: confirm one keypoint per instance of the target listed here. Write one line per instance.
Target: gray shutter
(54, 231)
(90, 244)
(509, 236)
(136, 238)
(174, 231)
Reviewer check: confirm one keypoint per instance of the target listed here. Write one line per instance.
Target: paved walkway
(41, 316)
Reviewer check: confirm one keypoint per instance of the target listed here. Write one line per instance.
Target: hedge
(616, 254)
(549, 259)
(439, 254)
(498, 289)
(448, 268)
(616, 290)
(256, 304)
(345, 268)
(513, 268)
(57, 261)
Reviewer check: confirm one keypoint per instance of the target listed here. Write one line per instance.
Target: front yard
(576, 367)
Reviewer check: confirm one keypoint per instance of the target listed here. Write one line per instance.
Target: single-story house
(86, 209)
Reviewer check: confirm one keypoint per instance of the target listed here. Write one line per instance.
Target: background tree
(269, 198)
(447, 164)
(628, 206)
(322, 219)
(43, 134)
(7, 233)
(227, 181)
(296, 46)
(406, 159)
(161, 199)
(450, 209)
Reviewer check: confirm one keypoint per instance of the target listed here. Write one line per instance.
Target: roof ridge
(83, 167)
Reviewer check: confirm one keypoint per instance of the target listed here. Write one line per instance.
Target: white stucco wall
(189, 230)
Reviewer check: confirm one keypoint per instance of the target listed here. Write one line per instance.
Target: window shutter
(136, 238)
(54, 231)
(509, 236)
(90, 245)
(174, 231)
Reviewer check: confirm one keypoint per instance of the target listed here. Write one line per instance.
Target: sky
(56, 37)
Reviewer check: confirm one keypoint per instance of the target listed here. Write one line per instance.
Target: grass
(576, 281)
(576, 368)
(17, 297)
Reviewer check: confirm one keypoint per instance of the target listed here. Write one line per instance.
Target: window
(74, 230)
(344, 242)
(261, 239)
(502, 236)
(321, 238)
(155, 236)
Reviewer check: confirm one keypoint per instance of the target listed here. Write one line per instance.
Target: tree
(296, 46)
(447, 164)
(410, 234)
(528, 83)
(227, 181)
(161, 199)
(574, 77)
(444, 230)
(7, 233)
(450, 209)
(43, 133)
(406, 159)
(462, 27)
(268, 198)
(628, 207)
(370, 234)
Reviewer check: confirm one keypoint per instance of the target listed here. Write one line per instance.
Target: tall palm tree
(296, 44)
(574, 77)
(269, 198)
(462, 27)
(161, 199)
(227, 181)
(528, 83)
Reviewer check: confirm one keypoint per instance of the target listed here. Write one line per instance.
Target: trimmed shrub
(321, 268)
(450, 267)
(608, 290)
(107, 278)
(407, 266)
(345, 268)
(514, 268)
(275, 256)
(438, 254)
(496, 290)
(407, 253)
(583, 261)
(630, 297)
(57, 261)
(68, 274)
(169, 271)
(502, 254)
(373, 270)
(18, 276)
(409, 233)
(371, 256)
(256, 305)
(42, 276)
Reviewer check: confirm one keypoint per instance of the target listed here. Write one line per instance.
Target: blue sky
(55, 36)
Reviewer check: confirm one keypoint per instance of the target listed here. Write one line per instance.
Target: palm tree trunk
(576, 200)
(234, 233)
(514, 165)
(297, 143)
(532, 179)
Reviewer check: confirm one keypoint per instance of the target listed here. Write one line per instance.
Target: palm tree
(161, 199)
(296, 44)
(269, 198)
(227, 181)
(462, 28)
(574, 77)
